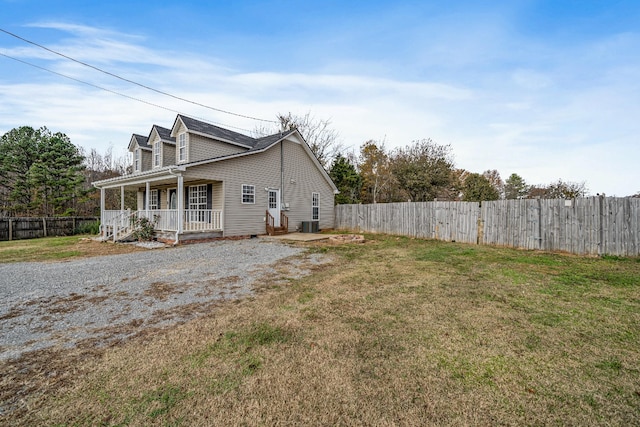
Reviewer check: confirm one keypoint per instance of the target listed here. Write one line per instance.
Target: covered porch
(179, 209)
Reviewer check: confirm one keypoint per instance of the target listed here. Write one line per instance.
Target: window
(156, 153)
(248, 193)
(136, 160)
(153, 199)
(198, 197)
(197, 203)
(273, 199)
(182, 147)
(315, 206)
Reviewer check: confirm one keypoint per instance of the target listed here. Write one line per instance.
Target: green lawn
(57, 249)
(395, 331)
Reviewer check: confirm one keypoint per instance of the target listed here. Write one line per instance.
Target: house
(200, 181)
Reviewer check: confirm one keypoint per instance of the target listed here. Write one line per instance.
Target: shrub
(89, 228)
(144, 228)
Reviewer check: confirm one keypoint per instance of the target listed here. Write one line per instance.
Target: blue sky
(544, 89)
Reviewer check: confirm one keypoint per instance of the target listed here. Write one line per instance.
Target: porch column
(122, 198)
(102, 198)
(180, 195)
(146, 200)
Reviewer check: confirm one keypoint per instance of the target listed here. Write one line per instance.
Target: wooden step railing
(271, 227)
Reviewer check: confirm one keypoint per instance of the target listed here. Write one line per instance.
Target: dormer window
(136, 160)
(156, 153)
(182, 147)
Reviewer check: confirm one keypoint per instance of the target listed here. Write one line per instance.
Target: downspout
(281, 174)
(102, 200)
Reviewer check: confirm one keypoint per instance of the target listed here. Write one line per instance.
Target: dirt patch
(346, 238)
(162, 291)
(91, 248)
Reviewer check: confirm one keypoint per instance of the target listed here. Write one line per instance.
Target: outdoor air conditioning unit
(310, 226)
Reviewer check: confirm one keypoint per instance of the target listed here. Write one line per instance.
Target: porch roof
(158, 175)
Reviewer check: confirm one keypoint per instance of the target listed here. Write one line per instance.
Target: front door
(274, 206)
(172, 204)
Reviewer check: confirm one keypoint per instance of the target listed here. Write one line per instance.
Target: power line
(133, 82)
(116, 93)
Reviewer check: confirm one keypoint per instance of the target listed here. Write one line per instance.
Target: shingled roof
(164, 134)
(142, 141)
(216, 132)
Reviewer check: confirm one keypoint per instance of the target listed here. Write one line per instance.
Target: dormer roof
(139, 140)
(212, 131)
(163, 133)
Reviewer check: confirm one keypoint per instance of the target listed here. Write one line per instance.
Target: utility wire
(133, 82)
(116, 93)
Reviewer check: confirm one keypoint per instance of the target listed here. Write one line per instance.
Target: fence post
(601, 249)
(44, 226)
(10, 229)
(539, 223)
(479, 226)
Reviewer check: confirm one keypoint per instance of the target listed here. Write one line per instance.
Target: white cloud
(523, 119)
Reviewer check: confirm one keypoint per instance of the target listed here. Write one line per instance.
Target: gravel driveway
(110, 298)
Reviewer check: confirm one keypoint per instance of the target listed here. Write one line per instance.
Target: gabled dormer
(141, 150)
(162, 147)
(197, 140)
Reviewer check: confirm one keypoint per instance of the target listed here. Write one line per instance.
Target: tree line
(421, 171)
(425, 171)
(43, 174)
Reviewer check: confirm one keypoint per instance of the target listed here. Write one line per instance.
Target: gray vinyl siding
(308, 179)
(218, 196)
(168, 154)
(145, 160)
(201, 148)
(301, 178)
(261, 170)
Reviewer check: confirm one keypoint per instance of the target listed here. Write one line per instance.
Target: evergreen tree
(19, 150)
(347, 179)
(478, 188)
(41, 172)
(57, 175)
(515, 187)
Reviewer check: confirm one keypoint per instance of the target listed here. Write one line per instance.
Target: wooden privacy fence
(452, 221)
(31, 228)
(588, 226)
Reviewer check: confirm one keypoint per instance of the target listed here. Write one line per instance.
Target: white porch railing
(202, 220)
(118, 217)
(117, 224)
(194, 219)
(167, 219)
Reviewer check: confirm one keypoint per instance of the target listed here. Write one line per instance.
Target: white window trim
(197, 203)
(315, 206)
(252, 194)
(157, 154)
(136, 160)
(154, 200)
(182, 139)
(196, 195)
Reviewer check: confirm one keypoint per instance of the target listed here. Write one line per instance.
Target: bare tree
(321, 138)
(559, 190)
(496, 181)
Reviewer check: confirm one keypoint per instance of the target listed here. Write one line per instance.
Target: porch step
(279, 231)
